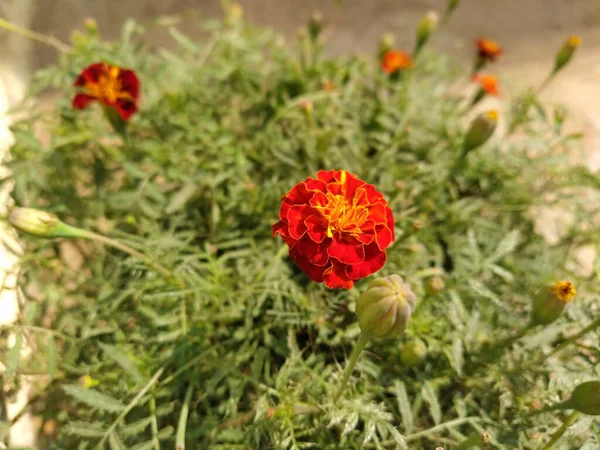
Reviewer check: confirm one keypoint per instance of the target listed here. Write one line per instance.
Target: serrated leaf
(404, 406)
(430, 397)
(115, 443)
(507, 245)
(84, 429)
(94, 398)
(123, 360)
(131, 429)
(456, 355)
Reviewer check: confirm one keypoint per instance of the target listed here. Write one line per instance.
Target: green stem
(181, 426)
(362, 341)
(90, 235)
(49, 40)
(473, 440)
(591, 327)
(561, 431)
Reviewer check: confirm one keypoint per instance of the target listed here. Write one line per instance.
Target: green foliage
(248, 354)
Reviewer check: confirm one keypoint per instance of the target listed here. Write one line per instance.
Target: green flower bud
(35, 222)
(549, 302)
(413, 353)
(386, 43)
(481, 130)
(586, 398)
(315, 25)
(434, 285)
(91, 25)
(384, 309)
(426, 26)
(566, 52)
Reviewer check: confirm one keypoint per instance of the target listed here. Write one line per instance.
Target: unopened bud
(413, 353)
(384, 309)
(434, 285)
(481, 130)
(386, 43)
(566, 52)
(426, 27)
(586, 398)
(315, 25)
(35, 222)
(234, 14)
(91, 25)
(550, 302)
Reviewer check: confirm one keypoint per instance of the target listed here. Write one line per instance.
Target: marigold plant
(162, 313)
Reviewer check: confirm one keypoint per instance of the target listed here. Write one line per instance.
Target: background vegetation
(248, 353)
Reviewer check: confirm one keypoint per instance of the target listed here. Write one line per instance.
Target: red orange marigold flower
(394, 60)
(111, 85)
(337, 228)
(489, 83)
(488, 49)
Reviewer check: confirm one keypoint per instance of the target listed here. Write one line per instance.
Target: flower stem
(49, 40)
(592, 326)
(561, 431)
(90, 235)
(362, 341)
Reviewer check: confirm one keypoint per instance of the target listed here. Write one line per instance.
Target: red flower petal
(130, 83)
(126, 108)
(90, 74)
(378, 213)
(326, 176)
(315, 253)
(317, 227)
(298, 195)
(80, 101)
(295, 217)
(390, 221)
(384, 236)
(374, 260)
(336, 278)
(313, 271)
(347, 250)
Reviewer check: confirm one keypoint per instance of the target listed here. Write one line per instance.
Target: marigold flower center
(343, 216)
(564, 290)
(108, 86)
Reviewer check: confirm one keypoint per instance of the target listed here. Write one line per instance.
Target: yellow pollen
(564, 290)
(329, 232)
(343, 177)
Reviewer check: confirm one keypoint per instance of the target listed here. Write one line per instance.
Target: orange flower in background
(394, 60)
(488, 83)
(488, 49)
(111, 85)
(337, 228)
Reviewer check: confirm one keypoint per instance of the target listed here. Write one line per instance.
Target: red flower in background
(112, 85)
(488, 49)
(394, 60)
(489, 83)
(337, 228)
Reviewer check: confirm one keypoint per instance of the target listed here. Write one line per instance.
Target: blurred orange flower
(394, 60)
(488, 49)
(488, 83)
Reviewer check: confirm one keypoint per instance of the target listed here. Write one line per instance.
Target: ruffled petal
(126, 108)
(314, 272)
(374, 260)
(316, 253)
(298, 195)
(90, 74)
(130, 83)
(336, 278)
(296, 216)
(317, 227)
(347, 250)
(384, 236)
(80, 101)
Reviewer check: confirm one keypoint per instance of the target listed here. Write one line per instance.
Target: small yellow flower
(574, 41)
(564, 290)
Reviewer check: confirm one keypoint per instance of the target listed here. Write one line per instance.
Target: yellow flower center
(564, 290)
(574, 41)
(343, 214)
(108, 87)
